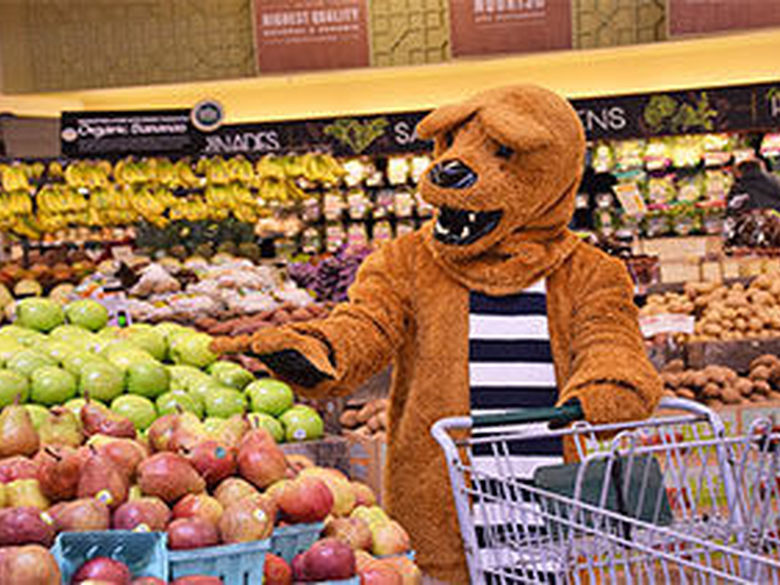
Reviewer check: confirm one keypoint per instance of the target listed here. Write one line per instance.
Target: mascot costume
(493, 304)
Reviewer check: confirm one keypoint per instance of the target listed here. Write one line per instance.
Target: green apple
(192, 349)
(52, 385)
(56, 350)
(39, 314)
(68, 333)
(87, 313)
(230, 374)
(169, 329)
(101, 380)
(38, 414)
(13, 385)
(8, 348)
(147, 378)
(270, 396)
(302, 423)
(122, 357)
(76, 360)
(147, 339)
(224, 402)
(261, 420)
(167, 403)
(109, 332)
(22, 335)
(202, 388)
(74, 405)
(27, 361)
(138, 409)
(182, 377)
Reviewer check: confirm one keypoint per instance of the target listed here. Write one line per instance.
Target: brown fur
(409, 305)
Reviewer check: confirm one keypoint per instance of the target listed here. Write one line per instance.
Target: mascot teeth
(459, 227)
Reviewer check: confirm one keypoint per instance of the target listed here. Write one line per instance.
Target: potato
(766, 359)
(670, 394)
(382, 418)
(762, 387)
(711, 390)
(373, 424)
(365, 413)
(349, 418)
(774, 376)
(686, 393)
(759, 373)
(730, 396)
(714, 403)
(698, 380)
(756, 397)
(674, 366)
(744, 386)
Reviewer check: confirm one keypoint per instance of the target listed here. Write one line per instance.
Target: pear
(234, 489)
(25, 525)
(146, 513)
(99, 419)
(61, 427)
(260, 460)
(25, 492)
(232, 431)
(188, 432)
(161, 431)
(17, 433)
(169, 476)
(2, 495)
(82, 515)
(59, 469)
(102, 480)
(125, 454)
(31, 565)
(247, 520)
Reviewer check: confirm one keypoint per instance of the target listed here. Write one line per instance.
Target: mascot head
(507, 165)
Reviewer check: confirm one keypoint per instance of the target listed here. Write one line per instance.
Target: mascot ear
(512, 128)
(444, 118)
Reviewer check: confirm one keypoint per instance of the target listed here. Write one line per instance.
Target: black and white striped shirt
(510, 367)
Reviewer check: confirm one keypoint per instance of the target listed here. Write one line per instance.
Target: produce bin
(367, 461)
(235, 564)
(144, 553)
(288, 541)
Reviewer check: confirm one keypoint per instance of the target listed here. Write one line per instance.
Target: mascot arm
(332, 356)
(611, 374)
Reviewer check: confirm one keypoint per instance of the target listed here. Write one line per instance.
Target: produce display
(63, 358)
(717, 386)
(330, 276)
(367, 420)
(205, 486)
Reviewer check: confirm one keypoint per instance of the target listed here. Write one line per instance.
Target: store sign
(298, 35)
(652, 325)
(85, 134)
(705, 16)
(725, 109)
(393, 133)
(481, 27)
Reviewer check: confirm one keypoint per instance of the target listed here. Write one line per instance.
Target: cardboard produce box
(367, 461)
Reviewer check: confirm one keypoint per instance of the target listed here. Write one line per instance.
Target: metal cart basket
(671, 499)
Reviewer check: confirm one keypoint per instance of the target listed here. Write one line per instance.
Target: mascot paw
(606, 403)
(293, 366)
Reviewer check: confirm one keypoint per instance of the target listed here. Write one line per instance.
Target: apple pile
(54, 356)
(107, 571)
(203, 489)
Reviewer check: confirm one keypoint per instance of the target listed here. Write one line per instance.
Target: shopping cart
(671, 499)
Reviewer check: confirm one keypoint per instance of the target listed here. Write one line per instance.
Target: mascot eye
(504, 151)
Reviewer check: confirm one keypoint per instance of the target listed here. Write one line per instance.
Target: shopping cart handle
(557, 417)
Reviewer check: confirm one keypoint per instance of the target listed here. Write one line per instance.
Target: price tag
(652, 325)
(630, 198)
(122, 253)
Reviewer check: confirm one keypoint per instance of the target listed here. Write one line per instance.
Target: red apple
(213, 461)
(327, 559)
(189, 533)
(304, 500)
(102, 569)
(147, 513)
(199, 505)
(276, 571)
(17, 467)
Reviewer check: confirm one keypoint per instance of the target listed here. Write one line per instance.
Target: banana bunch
(87, 175)
(15, 204)
(240, 170)
(193, 208)
(321, 168)
(129, 171)
(56, 199)
(185, 176)
(270, 167)
(282, 191)
(151, 204)
(14, 178)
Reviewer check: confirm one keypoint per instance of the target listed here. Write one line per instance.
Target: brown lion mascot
(494, 304)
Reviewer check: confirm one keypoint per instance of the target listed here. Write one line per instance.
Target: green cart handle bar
(560, 416)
